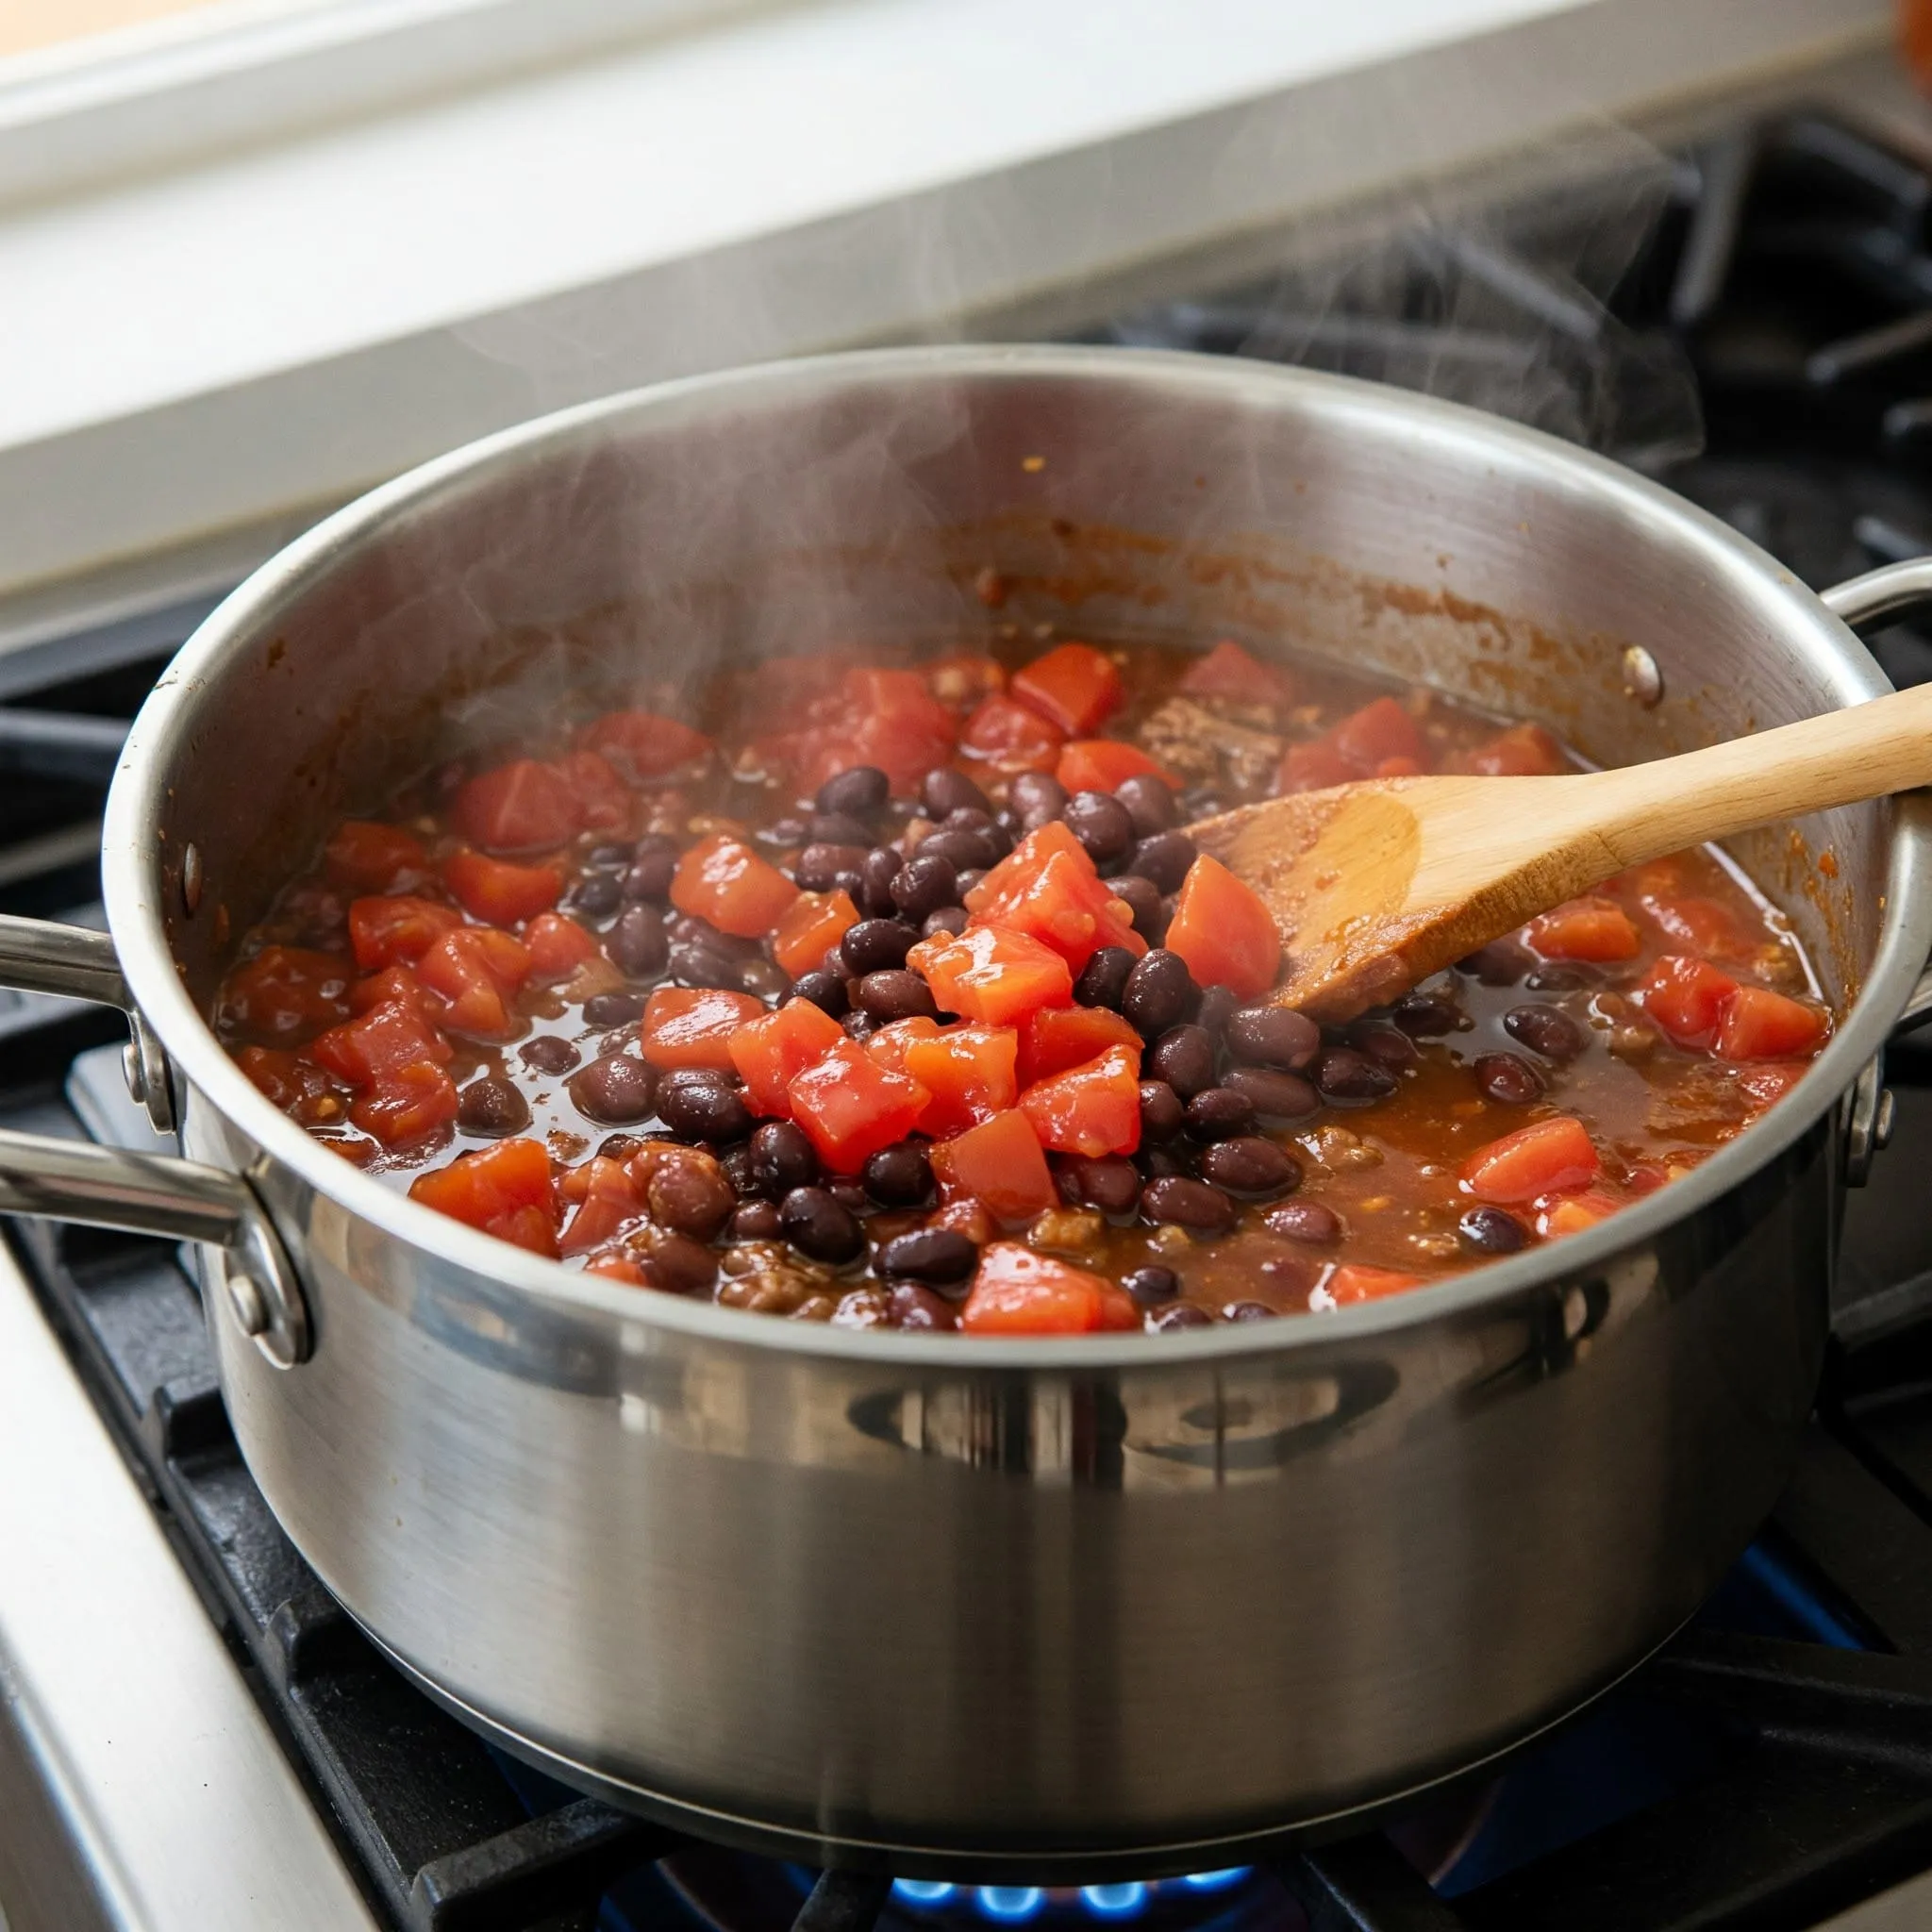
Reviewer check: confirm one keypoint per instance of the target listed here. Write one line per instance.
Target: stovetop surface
(1754, 324)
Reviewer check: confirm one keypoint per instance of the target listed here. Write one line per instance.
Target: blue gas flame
(1015, 1904)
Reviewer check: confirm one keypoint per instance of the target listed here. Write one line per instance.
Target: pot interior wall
(630, 555)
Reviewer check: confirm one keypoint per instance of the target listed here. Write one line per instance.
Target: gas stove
(1750, 319)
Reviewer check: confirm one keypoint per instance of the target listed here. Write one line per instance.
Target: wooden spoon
(1377, 885)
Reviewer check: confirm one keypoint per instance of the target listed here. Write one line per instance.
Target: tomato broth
(896, 994)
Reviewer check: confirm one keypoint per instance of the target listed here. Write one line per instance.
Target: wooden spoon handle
(1865, 751)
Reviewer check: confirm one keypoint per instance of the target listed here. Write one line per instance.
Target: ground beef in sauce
(897, 995)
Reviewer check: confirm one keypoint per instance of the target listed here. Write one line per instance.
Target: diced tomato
(504, 1189)
(395, 1060)
(1048, 889)
(960, 682)
(396, 983)
(1597, 929)
(999, 1164)
(850, 1105)
(604, 800)
(1701, 925)
(1056, 1038)
(475, 968)
(1686, 997)
(1314, 765)
(1758, 1024)
(892, 721)
(692, 1026)
(771, 1049)
(1397, 768)
(1547, 1157)
(1102, 764)
(1090, 1109)
(603, 1200)
(287, 993)
(498, 891)
(992, 976)
(1223, 930)
(408, 1105)
(557, 946)
(809, 927)
(1572, 1213)
(525, 806)
(365, 857)
(721, 878)
(889, 1045)
(1381, 729)
(1355, 1281)
(1017, 1292)
(616, 1266)
(643, 746)
(1074, 685)
(1011, 737)
(385, 930)
(285, 1080)
(969, 1071)
(1229, 672)
(1524, 751)
(1769, 1083)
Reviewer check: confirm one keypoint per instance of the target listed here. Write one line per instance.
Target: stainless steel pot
(970, 1606)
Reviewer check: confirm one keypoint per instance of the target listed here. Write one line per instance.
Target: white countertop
(275, 329)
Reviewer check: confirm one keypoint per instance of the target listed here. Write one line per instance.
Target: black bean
(1105, 1181)
(637, 944)
(825, 991)
(782, 1159)
(1219, 1113)
(848, 1194)
(860, 789)
(712, 1109)
(876, 877)
(1143, 897)
(1179, 1315)
(757, 1220)
(491, 1107)
(944, 789)
(688, 1191)
(815, 868)
(1157, 1163)
(937, 1255)
(1507, 1077)
(969, 879)
(1248, 1311)
(549, 1053)
(764, 979)
(609, 858)
(852, 884)
(816, 1225)
(1252, 1165)
(597, 895)
(909, 1306)
(968, 817)
(1491, 1231)
(1164, 858)
(1189, 1204)
(948, 919)
(1502, 962)
(1150, 804)
(735, 1162)
(923, 886)
(897, 995)
(1219, 1004)
(693, 963)
(1277, 1096)
(838, 828)
(1198, 802)
(650, 876)
(789, 830)
(1101, 825)
(620, 1146)
(962, 851)
(1038, 797)
(1160, 992)
(1162, 1116)
(1548, 978)
(1184, 1056)
(1546, 1030)
(688, 928)
(1427, 1014)
(1342, 1074)
(1304, 1220)
(615, 1089)
(677, 1264)
(899, 1176)
(613, 1009)
(1151, 1285)
(1388, 1046)
(875, 945)
(1104, 978)
(1273, 1036)
(860, 1026)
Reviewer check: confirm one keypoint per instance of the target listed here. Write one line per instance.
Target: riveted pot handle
(180, 1200)
(40, 955)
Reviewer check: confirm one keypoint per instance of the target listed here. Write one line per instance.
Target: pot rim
(132, 885)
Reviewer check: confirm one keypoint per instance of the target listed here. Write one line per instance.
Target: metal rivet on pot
(1642, 680)
(132, 1072)
(247, 1303)
(190, 879)
(1885, 1120)
(1576, 1312)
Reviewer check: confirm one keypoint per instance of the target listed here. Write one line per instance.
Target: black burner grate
(1775, 1763)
